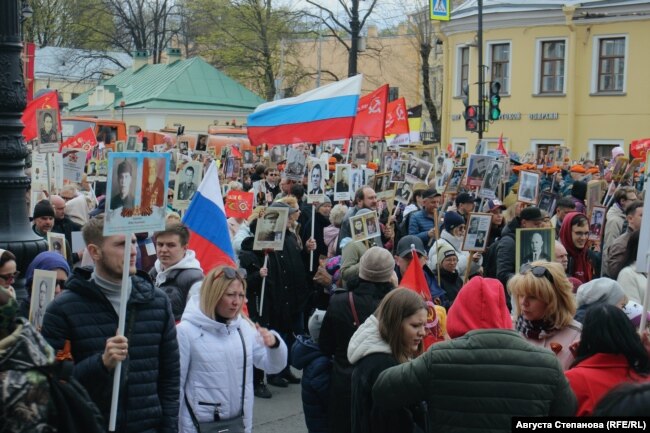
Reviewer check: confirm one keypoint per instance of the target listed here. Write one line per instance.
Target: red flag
(414, 279)
(49, 100)
(450, 150)
(501, 148)
(371, 114)
(85, 140)
(239, 204)
(397, 121)
(234, 151)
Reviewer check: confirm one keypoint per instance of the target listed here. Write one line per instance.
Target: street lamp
(122, 104)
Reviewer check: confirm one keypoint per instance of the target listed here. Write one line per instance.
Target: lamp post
(16, 234)
(122, 104)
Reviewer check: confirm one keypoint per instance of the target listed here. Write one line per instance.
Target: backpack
(75, 410)
(490, 260)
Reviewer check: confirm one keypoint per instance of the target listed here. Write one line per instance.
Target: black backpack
(75, 410)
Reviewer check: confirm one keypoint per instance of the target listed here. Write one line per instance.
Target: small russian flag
(206, 220)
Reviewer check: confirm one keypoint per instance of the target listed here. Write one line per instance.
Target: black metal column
(16, 234)
(481, 72)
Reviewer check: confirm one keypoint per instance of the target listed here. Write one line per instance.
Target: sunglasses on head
(232, 273)
(538, 271)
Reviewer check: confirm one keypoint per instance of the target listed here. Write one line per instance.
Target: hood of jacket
(142, 288)
(24, 349)
(304, 351)
(330, 233)
(189, 261)
(455, 242)
(195, 316)
(480, 304)
(366, 341)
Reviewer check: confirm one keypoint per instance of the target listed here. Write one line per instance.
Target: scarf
(534, 329)
(581, 268)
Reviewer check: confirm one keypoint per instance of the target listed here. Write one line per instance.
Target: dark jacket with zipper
(149, 387)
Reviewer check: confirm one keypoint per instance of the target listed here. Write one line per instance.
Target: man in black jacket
(85, 315)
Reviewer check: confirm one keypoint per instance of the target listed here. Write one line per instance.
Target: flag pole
(266, 260)
(311, 253)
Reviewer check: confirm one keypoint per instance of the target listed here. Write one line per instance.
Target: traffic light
(494, 112)
(465, 95)
(471, 118)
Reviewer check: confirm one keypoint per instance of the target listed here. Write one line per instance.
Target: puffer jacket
(25, 392)
(371, 355)
(84, 316)
(315, 382)
(507, 376)
(212, 362)
(178, 280)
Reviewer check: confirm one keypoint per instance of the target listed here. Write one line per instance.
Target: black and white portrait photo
(453, 184)
(48, 130)
(477, 169)
(398, 170)
(418, 170)
(43, 288)
(296, 163)
(56, 243)
(360, 149)
(492, 179)
(271, 228)
(547, 202)
(478, 229)
(342, 182)
(404, 192)
(316, 179)
(528, 187)
(597, 222)
(202, 143)
(534, 244)
(130, 143)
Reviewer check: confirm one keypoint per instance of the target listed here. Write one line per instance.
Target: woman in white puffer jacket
(211, 352)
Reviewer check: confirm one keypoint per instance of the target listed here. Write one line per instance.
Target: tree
(244, 38)
(335, 24)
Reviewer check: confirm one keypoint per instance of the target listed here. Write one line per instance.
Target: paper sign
(74, 163)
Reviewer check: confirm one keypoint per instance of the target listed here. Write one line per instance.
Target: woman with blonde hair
(544, 306)
(218, 347)
(393, 335)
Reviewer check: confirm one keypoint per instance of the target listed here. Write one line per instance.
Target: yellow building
(573, 73)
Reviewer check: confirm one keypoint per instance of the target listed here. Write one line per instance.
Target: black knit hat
(43, 209)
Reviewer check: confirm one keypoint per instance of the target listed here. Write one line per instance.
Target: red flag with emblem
(397, 121)
(85, 140)
(371, 114)
(49, 100)
(239, 204)
(415, 280)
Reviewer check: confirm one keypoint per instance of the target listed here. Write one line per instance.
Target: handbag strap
(195, 421)
(354, 310)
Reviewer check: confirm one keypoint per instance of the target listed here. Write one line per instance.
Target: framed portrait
(184, 147)
(56, 243)
(534, 244)
(477, 169)
(249, 159)
(188, 179)
(74, 164)
(547, 202)
(120, 146)
(232, 168)
(40, 172)
(528, 187)
(296, 164)
(202, 143)
(136, 192)
(597, 222)
(551, 156)
(383, 186)
(594, 194)
(398, 170)
(404, 192)
(364, 226)
(454, 181)
(130, 143)
(271, 229)
(620, 164)
(360, 149)
(632, 167)
(277, 153)
(342, 182)
(43, 290)
(459, 151)
(48, 130)
(492, 179)
(418, 170)
(387, 160)
(478, 231)
(316, 178)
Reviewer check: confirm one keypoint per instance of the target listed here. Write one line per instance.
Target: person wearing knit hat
(43, 218)
(617, 151)
(46, 261)
(598, 291)
(483, 345)
(578, 195)
(447, 276)
(453, 234)
(377, 265)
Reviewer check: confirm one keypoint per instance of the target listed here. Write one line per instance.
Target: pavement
(281, 413)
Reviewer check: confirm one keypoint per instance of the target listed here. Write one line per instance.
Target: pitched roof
(71, 64)
(190, 84)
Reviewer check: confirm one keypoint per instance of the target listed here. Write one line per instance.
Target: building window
(603, 151)
(611, 64)
(393, 93)
(464, 68)
(500, 65)
(552, 67)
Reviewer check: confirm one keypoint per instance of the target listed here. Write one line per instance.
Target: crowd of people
(555, 335)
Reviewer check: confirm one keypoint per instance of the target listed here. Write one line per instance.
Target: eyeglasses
(581, 234)
(232, 273)
(538, 271)
(60, 283)
(170, 196)
(10, 277)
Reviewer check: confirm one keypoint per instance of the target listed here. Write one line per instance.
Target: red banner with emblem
(371, 114)
(397, 121)
(239, 204)
(85, 140)
(49, 100)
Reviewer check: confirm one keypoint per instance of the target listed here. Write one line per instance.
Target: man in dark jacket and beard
(86, 316)
(376, 278)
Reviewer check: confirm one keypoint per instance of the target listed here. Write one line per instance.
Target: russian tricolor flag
(206, 220)
(325, 113)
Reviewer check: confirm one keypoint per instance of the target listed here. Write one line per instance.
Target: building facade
(572, 73)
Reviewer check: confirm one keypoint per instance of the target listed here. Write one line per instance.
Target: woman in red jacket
(610, 353)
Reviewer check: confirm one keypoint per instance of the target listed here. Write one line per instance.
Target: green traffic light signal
(494, 112)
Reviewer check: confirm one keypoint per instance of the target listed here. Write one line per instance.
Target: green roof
(190, 84)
